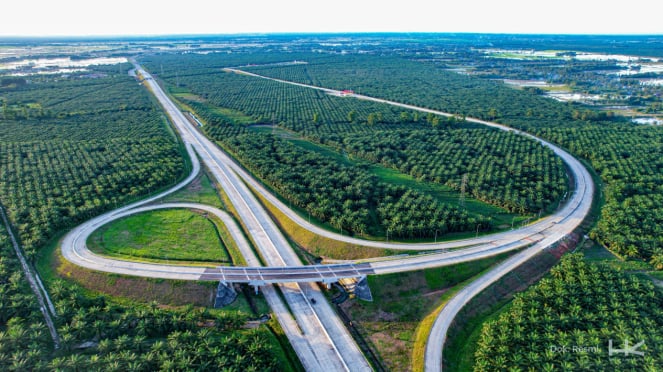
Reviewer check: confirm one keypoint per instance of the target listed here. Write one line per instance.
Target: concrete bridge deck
(268, 275)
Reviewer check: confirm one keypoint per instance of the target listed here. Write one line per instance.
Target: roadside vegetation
(401, 302)
(72, 147)
(579, 306)
(201, 190)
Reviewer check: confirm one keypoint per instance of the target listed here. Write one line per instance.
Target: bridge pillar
(362, 290)
(225, 294)
(256, 284)
(328, 282)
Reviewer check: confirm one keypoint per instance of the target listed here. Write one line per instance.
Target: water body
(648, 121)
(56, 65)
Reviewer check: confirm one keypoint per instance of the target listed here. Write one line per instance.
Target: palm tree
(113, 364)
(58, 364)
(135, 366)
(138, 343)
(99, 326)
(105, 346)
(66, 340)
(122, 343)
(20, 362)
(77, 362)
(566, 365)
(657, 259)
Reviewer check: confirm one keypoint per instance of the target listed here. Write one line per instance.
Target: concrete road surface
(328, 339)
(317, 325)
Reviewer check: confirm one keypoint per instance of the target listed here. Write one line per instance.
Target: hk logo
(626, 350)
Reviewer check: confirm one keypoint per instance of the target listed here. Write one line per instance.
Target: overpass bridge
(260, 276)
(316, 321)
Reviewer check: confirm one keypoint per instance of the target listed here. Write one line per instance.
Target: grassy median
(172, 234)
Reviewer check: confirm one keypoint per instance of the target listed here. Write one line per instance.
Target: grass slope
(179, 235)
(402, 302)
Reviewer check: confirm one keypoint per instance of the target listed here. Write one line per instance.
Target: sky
(148, 17)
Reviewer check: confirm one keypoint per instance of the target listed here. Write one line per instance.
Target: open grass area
(596, 252)
(201, 190)
(182, 95)
(188, 96)
(204, 191)
(404, 305)
(179, 235)
(425, 326)
(445, 194)
(234, 115)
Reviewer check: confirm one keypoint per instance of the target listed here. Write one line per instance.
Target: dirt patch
(438, 293)
(384, 316)
(404, 285)
(393, 341)
(169, 292)
(195, 185)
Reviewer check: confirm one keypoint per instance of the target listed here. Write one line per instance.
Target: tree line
(528, 183)
(504, 169)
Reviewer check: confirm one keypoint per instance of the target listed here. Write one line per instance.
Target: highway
(433, 357)
(319, 338)
(329, 340)
(322, 341)
(579, 201)
(75, 250)
(539, 235)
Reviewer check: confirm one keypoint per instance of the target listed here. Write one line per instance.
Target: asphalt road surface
(542, 234)
(327, 338)
(319, 338)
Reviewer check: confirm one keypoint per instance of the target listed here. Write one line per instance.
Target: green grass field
(236, 116)
(171, 235)
(200, 190)
(596, 252)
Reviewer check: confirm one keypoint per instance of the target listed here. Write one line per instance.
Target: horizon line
(330, 33)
